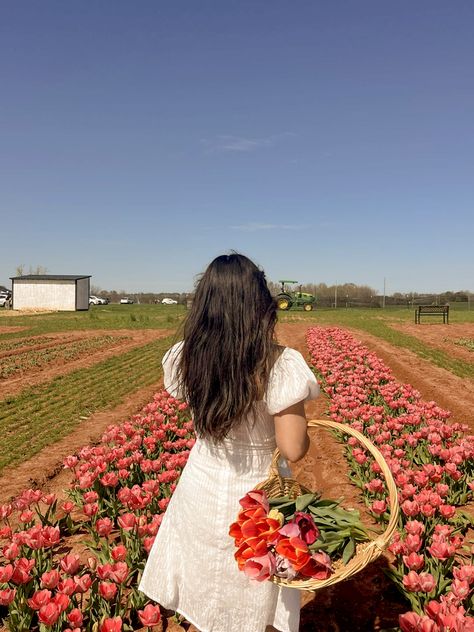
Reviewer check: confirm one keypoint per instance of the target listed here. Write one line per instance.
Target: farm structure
(68, 292)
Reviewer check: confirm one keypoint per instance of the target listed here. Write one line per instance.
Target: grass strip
(43, 414)
(378, 324)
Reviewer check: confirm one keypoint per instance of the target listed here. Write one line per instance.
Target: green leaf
(304, 500)
(349, 551)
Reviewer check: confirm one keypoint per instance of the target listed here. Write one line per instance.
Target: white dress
(191, 567)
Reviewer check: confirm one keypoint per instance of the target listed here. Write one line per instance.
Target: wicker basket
(276, 485)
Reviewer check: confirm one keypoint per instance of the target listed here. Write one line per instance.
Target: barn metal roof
(51, 277)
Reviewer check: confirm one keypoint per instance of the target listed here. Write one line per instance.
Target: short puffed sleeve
(170, 370)
(290, 381)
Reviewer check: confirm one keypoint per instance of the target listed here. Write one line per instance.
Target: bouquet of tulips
(296, 538)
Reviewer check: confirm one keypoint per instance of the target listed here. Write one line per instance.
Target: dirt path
(127, 339)
(441, 336)
(453, 393)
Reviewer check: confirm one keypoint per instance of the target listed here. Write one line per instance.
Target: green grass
(377, 322)
(43, 414)
(98, 317)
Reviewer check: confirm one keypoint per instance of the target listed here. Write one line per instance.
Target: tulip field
(71, 557)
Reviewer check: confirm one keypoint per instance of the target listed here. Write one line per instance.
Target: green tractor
(288, 299)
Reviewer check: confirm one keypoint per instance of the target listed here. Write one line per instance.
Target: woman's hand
(291, 432)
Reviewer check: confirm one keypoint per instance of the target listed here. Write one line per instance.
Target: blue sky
(329, 141)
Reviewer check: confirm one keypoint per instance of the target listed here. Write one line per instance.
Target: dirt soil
(126, 340)
(436, 384)
(366, 602)
(441, 336)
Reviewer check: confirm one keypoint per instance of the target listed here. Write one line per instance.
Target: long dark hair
(229, 346)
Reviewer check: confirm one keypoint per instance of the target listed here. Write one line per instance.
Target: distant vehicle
(288, 299)
(126, 301)
(104, 300)
(95, 300)
(169, 301)
(4, 300)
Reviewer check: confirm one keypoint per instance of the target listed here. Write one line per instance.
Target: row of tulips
(74, 563)
(432, 462)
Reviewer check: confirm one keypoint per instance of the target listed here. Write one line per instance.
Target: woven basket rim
(366, 552)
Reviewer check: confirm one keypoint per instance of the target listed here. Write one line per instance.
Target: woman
(247, 396)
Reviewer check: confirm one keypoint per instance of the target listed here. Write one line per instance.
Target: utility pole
(383, 300)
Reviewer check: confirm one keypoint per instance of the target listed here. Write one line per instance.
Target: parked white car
(4, 299)
(169, 301)
(95, 300)
(126, 301)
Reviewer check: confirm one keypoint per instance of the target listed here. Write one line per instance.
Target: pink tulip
(7, 596)
(447, 511)
(6, 573)
(414, 561)
(460, 589)
(111, 625)
(150, 615)
(62, 601)
(379, 507)
(427, 582)
(119, 572)
(255, 498)
(21, 571)
(464, 573)
(413, 543)
(70, 564)
(39, 598)
(49, 613)
(441, 550)
(127, 521)
(119, 553)
(75, 617)
(104, 526)
(260, 568)
(50, 579)
(411, 581)
(107, 590)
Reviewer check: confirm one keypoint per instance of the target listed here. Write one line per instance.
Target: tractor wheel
(308, 307)
(284, 302)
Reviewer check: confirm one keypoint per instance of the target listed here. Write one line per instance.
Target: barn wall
(82, 296)
(59, 294)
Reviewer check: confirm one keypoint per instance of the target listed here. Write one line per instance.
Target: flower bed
(75, 564)
(433, 464)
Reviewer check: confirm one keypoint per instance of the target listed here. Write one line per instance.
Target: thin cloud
(228, 143)
(251, 227)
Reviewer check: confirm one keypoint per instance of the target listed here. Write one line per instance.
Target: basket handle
(383, 539)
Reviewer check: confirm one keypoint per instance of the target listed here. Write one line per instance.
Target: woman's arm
(291, 432)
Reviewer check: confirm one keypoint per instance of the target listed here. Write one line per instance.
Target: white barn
(67, 292)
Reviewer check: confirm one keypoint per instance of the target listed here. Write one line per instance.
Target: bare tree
(20, 269)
